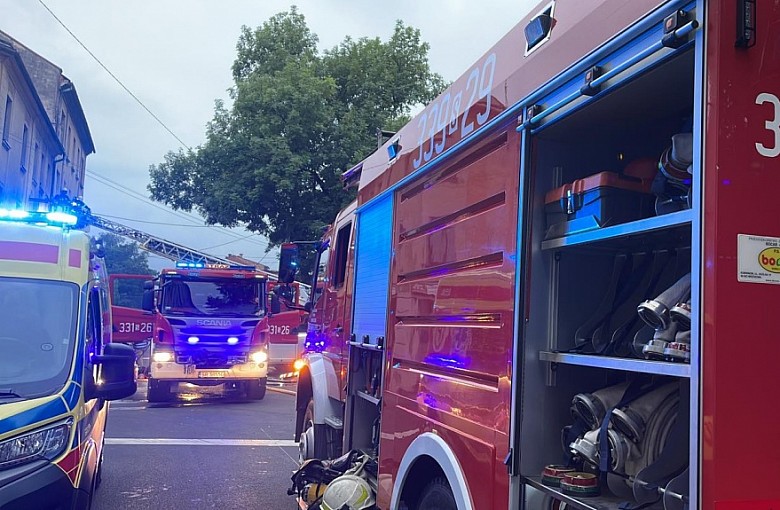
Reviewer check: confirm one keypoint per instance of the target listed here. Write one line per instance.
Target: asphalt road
(203, 451)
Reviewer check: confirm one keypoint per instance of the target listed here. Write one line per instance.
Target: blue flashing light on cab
(190, 265)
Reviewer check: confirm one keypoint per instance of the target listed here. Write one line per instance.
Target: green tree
(272, 161)
(125, 257)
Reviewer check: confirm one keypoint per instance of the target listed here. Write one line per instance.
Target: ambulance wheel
(437, 494)
(255, 390)
(99, 469)
(158, 391)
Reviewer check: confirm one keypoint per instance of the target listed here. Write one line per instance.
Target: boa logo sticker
(770, 259)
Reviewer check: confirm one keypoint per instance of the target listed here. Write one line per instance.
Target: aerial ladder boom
(160, 246)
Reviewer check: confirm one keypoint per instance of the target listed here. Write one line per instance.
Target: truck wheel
(158, 391)
(437, 494)
(255, 390)
(313, 443)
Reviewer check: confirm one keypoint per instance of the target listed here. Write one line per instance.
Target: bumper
(175, 372)
(39, 485)
(283, 354)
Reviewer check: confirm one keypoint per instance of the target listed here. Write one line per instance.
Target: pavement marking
(127, 408)
(280, 390)
(200, 442)
(127, 403)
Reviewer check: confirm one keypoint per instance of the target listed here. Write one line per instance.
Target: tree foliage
(124, 257)
(272, 160)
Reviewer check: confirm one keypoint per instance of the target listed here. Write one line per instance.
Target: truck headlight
(259, 357)
(162, 357)
(46, 443)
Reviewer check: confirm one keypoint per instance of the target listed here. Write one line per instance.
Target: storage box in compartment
(600, 200)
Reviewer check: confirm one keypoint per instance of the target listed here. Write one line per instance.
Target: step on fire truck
(554, 290)
(286, 322)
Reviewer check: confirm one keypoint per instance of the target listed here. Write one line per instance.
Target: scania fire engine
(209, 326)
(555, 287)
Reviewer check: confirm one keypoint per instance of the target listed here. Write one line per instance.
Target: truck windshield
(217, 297)
(37, 336)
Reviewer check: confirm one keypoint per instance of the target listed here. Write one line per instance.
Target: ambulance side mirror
(147, 301)
(117, 373)
(288, 263)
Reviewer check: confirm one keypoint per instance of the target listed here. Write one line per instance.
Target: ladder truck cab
(286, 327)
(209, 326)
(58, 367)
(555, 287)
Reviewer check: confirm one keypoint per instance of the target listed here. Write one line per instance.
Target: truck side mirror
(117, 373)
(276, 305)
(147, 302)
(288, 262)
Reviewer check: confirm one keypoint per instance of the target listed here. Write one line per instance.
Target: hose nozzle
(655, 312)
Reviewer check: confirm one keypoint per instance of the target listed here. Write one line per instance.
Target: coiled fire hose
(640, 424)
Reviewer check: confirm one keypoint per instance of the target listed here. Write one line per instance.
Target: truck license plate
(213, 373)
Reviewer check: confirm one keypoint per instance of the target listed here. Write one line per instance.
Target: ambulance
(58, 368)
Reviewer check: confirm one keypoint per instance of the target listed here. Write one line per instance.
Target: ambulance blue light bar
(62, 217)
(54, 218)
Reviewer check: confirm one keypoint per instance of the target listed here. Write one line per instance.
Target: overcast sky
(175, 56)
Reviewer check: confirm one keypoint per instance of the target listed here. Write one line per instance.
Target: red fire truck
(286, 321)
(210, 327)
(555, 288)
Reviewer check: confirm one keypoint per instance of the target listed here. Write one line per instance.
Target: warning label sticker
(758, 259)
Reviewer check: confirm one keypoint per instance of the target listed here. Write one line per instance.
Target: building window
(7, 122)
(25, 141)
(43, 171)
(36, 167)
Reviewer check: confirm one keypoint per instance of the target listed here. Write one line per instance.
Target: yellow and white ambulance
(58, 367)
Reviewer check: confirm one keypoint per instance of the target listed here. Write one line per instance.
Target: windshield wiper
(233, 314)
(9, 393)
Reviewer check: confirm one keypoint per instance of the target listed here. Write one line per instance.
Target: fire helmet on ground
(348, 492)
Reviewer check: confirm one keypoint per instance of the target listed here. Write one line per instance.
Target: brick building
(46, 138)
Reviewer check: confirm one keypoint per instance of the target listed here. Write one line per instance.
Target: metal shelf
(370, 347)
(625, 364)
(627, 234)
(604, 502)
(365, 396)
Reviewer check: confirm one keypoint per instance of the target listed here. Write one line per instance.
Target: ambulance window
(342, 248)
(37, 333)
(94, 323)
